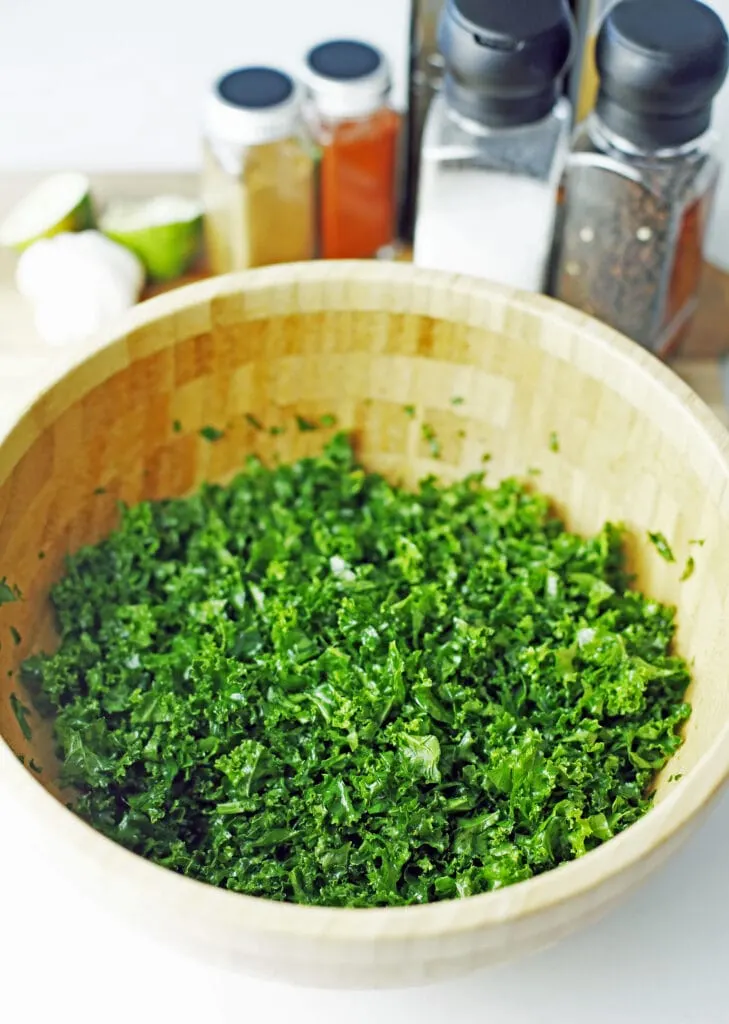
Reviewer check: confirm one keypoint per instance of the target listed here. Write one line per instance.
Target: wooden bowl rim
(227, 912)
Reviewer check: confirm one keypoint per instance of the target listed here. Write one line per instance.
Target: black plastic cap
(344, 60)
(255, 88)
(505, 59)
(661, 63)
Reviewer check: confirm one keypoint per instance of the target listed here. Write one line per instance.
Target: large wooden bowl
(362, 341)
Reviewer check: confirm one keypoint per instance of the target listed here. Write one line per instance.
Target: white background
(97, 86)
(660, 959)
(113, 86)
(92, 85)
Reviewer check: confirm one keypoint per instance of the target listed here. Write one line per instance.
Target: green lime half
(165, 232)
(60, 203)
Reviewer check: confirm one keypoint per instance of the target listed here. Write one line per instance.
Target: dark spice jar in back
(640, 180)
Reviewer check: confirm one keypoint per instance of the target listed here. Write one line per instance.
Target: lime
(59, 203)
(165, 233)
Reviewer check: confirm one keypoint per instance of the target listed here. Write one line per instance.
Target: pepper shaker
(639, 183)
(586, 84)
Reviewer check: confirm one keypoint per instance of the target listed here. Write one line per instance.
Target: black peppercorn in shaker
(640, 179)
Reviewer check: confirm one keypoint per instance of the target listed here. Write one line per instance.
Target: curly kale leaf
(312, 685)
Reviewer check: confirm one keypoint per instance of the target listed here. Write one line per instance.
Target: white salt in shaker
(495, 141)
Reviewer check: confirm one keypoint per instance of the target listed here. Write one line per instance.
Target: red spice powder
(358, 177)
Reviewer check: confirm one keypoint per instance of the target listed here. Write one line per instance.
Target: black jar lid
(504, 59)
(661, 63)
(347, 78)
(253, 105)
(255, 88)
(344, 60)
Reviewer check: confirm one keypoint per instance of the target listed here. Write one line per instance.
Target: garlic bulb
(77, 284)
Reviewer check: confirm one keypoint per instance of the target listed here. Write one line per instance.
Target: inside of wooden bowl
(386, 350)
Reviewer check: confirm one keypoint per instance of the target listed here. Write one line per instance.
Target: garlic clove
(78, 283)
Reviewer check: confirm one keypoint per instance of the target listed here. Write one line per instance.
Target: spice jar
(357, 132)
(641, 177)
(495, 141)
(258, 176)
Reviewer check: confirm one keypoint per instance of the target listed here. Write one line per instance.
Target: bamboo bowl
(361, 341)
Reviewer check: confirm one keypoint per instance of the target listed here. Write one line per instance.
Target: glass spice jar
(640, 180)
(358, 134)
(495, 141)
(259, 172)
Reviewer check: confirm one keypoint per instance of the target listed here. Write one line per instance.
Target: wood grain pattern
(708, 336)
(26, 365)
(362, 341)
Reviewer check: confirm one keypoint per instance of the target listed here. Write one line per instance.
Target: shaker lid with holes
(504, 59)
(254, 105)
(661, 63)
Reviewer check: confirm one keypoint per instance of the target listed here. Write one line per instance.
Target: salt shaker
(641, 176)
(259, 172)
(357, 130)
(495, 141)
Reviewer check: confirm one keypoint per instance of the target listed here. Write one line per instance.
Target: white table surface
(660, 959)
(663, 958)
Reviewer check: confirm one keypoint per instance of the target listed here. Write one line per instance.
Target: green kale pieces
(312, 685)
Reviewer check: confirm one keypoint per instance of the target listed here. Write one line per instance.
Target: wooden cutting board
(27, 365)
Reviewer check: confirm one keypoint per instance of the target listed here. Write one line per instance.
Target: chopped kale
(689, 570)
(662, 546)
(315, 686)
(8, 594)
(21, 713)
(431, 437)
(211, 434)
